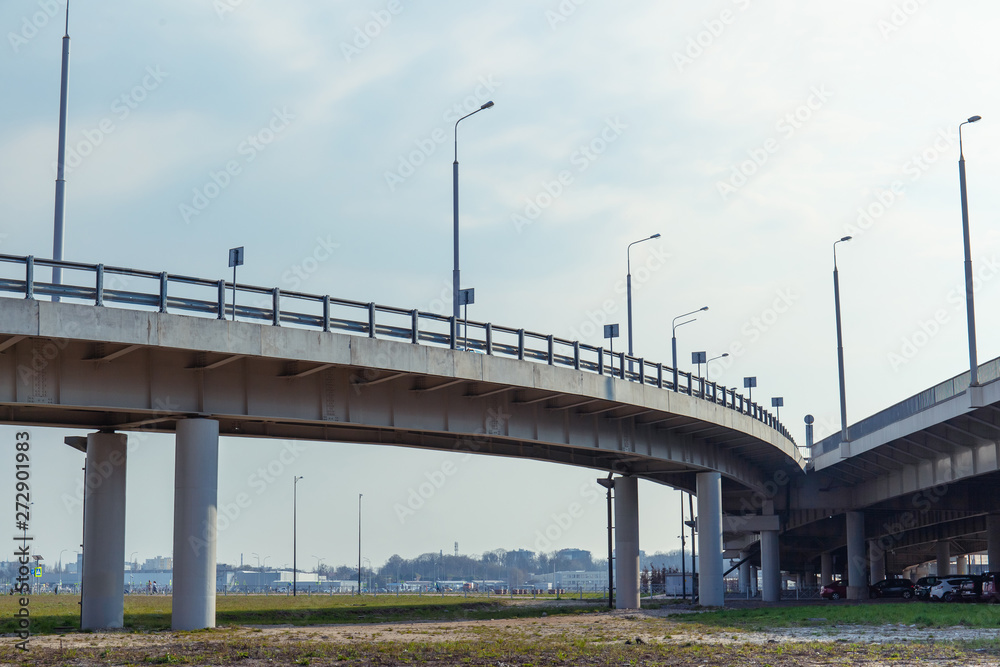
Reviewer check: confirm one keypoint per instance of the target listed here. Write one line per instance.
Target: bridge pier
(627, 543)
(857, 580)
(825, 568)
(196, 480)
(962, 565)
(770, 566)
(942, 551)
(876, 561)
(711, 588)
(745, 573)
(993, 541)
(103, 604)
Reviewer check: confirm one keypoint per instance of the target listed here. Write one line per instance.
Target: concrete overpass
(294, 365)
(915, 482)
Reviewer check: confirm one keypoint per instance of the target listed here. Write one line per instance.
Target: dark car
(835, 590)
(922, 589)
(892, 588)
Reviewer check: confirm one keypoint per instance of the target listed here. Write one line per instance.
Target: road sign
(38, 571)
(611, 331)
(236, 256)
(467, 297)
(698, 357)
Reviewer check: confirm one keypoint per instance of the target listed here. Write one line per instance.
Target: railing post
(454, 332)
(414, 326)
(659, 376)
(552, 350)
(326, 313)
(489, 338)
(621, 365)
(576, 354)
(99, 286)
(163, 292)
(371, 319)
(642, 371)
(600, 360)
(221, 304)
(520, 344)
(29, 277)
(276, 306)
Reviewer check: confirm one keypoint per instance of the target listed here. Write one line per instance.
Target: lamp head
(847, 238)
(655, 236)
(487, 105)
(703, 308)
(973, 119)
(725, 354)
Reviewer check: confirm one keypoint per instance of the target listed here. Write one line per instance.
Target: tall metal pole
(359, 542)
(694, 548)
(611, 573)
(840, 345)
(456, 280)
(295, 569)
(673, 339)
(684, 594)
(58, 233)
(969, 300)
(628, 288)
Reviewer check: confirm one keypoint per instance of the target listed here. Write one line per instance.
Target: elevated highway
(179, 354)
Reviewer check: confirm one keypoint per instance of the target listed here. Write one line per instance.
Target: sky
(750, 134)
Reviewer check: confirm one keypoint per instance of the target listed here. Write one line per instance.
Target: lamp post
(608, 484)
(258, 559)
(131, 558)
(673, 337)
(711, 359)
(295, 495)
(58, 235)
(969, 301)
(359, 529)
(628, 289)
(840, 344)
(456, 277)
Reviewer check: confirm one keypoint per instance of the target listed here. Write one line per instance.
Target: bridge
(913, 483)
(202, 358)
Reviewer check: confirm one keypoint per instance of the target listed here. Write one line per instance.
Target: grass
(918, 614)
(150, 613)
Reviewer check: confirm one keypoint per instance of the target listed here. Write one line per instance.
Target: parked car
(834, 590)
(990, 591)
(952, 589)
(892, 588)
(922, 588)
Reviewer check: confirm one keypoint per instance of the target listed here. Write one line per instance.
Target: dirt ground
(652, 633)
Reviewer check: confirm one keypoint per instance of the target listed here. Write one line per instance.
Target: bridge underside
(57, 368)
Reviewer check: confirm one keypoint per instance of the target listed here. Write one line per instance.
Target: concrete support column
(196, 479)
(962, 565)
(943, 552)
(744, 573)
(627, 543)
(770, 566)
(876, 561)
(753, 580)
(993, 541)
(857, 581)
(811, 575)
(103, 604)
(711, 588)
(826, 569)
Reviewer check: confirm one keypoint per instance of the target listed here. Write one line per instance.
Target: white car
(952, 588)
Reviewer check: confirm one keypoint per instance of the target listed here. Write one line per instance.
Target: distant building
(574, 554)
(158, 563)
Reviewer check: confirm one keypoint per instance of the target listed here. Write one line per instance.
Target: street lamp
(608, 484)
(711, 359)
(131, 558)
(628, 288)
(840, 343)
(969, 301)
(456, 277)
(673, 337)
(319, 562)
(295, 496)
(359, 504)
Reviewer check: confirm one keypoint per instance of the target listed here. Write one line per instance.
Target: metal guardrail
(928, 398)
(112, 284)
